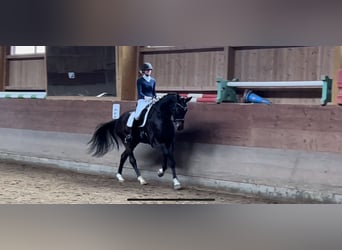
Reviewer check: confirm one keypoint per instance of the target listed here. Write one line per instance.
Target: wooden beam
(229, 62)
(2, 67)
(126, 72)
(337, 67)
(174, 49)
(140, 57)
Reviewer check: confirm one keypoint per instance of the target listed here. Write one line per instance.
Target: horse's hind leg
(123, 159)
(162, 170)
(133, 162)
(129, 153)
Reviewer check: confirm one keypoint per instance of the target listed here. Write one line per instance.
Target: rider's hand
(155, 99)
(147, 98)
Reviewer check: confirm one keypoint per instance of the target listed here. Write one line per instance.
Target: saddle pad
(132, 114)
(145, 116)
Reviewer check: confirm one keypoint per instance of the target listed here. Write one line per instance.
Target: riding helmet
(146, 66)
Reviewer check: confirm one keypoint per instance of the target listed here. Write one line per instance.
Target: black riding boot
(128, 137)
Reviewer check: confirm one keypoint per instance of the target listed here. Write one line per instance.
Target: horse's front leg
(168, 155)
(176, 183)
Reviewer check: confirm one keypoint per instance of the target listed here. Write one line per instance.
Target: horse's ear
(188, 99)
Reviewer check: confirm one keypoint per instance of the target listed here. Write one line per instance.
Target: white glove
(147, 98)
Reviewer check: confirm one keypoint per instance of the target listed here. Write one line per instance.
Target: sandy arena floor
(22, 183)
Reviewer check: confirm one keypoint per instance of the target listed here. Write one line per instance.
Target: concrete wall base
(272, 173)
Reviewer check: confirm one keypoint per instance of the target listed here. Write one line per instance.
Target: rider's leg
(141, 104)
(129, 126)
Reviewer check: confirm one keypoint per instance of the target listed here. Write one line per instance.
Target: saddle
(142, 118)
(140, 123)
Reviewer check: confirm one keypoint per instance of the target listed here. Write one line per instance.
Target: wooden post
(337, 66)
(229, 62)
(126, 72)
(2, 67)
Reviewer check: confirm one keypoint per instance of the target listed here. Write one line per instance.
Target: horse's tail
(104, 139)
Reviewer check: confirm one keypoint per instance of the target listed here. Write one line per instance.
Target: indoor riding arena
(263, 124)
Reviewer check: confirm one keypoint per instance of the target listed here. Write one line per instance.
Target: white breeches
(141, 104)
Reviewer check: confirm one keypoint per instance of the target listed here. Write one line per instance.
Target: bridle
(180, 119)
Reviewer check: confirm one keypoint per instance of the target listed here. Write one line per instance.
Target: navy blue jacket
(146, 88)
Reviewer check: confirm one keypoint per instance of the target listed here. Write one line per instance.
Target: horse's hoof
(142, 181)
(120, 178)
(160, 173)
(176, 184)
(177, 187)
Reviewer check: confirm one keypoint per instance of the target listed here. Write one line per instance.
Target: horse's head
(180, 110)
(174, 106)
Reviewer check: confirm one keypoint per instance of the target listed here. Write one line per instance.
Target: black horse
(159, 131)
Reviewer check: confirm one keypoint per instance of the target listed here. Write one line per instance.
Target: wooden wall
(27, 73)
(284, 64)
(197, 69)
(188, 69)
(296, 127)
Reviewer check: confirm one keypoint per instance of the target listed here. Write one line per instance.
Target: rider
(146, 93)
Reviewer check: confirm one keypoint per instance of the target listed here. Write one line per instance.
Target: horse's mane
(163, 105)
(161, 111)
(166, 98)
